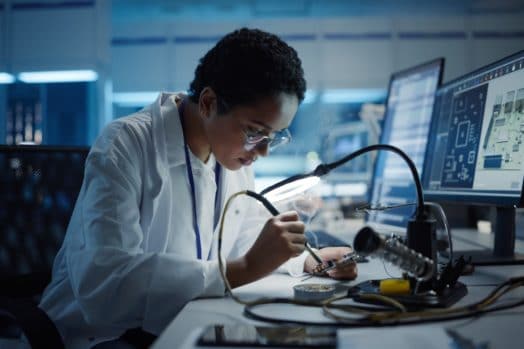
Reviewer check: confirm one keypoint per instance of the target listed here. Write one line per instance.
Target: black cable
(471, 310)
(409, 162)
(475, 309)
(264, 202)
(248, 312)
(447, 228)
(369, 207)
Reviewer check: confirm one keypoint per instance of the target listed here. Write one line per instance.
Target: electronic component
(313, 292)
(324, 267)
(368, 242)
(394, 286)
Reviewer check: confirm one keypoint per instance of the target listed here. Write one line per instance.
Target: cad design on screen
(480, 133)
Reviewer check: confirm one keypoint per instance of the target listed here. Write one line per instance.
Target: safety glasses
(273, 140)
(255, 139)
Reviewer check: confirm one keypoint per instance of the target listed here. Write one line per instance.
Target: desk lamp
(418, 258)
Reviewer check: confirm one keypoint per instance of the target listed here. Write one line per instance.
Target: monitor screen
(406, 125)
(475, 150)
(39, 187)
(477, 155)
(342, 141)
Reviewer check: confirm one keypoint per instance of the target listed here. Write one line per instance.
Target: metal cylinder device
(367, 242)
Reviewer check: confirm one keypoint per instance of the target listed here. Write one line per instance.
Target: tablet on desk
(244, 335)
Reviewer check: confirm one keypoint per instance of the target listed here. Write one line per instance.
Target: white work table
(499, 329)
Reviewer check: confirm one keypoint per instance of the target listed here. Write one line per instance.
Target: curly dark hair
(246, 66)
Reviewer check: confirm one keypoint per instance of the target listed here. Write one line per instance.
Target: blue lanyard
(192, 184)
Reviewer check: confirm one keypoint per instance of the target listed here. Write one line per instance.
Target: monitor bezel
(483, 198)
(439, 62)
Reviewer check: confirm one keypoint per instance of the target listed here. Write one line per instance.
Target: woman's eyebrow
(260, 123)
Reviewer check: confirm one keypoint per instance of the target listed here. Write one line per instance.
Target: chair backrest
(19, 316)
(39, 186)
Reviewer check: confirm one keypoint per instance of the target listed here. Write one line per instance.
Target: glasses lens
(280, 138)
(275, 140)
(255, 138)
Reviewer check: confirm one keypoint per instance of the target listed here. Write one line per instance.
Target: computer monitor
(476, 152)
(39, 186)
(342, 141)
(406, 125)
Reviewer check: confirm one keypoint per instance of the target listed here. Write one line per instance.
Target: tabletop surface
(497, 330)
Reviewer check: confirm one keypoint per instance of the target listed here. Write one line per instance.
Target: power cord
(396, 313)
(436, 208)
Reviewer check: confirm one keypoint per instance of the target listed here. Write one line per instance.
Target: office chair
(19, 316)
(19, 313)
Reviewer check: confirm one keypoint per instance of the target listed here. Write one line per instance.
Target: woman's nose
(262, 149)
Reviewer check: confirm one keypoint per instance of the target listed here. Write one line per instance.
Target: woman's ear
(207, 102)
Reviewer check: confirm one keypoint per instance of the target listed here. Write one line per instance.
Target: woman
(141, 241)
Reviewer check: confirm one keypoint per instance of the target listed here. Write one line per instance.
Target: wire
(386, 269)
(432, 315)
(221, 267)
(322, 169)
(444, 220)
(379, 207)
(369, 316)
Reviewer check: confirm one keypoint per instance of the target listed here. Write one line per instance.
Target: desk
(500, 329)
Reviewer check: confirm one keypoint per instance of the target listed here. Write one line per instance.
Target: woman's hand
(341, 272)
(281, 238)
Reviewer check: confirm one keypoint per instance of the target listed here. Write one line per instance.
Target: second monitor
(475, 151)
(406, 125)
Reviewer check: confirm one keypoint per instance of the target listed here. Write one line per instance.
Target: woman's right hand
(281, 238)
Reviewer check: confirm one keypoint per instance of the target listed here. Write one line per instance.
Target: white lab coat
(129, 256)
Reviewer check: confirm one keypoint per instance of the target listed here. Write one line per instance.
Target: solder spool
(313, 292)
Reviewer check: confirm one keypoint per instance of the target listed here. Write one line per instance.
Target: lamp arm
(323, 169)
(287, 181)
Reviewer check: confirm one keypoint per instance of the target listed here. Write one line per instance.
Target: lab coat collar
(169, 141)
(167, 130)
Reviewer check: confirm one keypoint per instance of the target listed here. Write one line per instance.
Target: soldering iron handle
(275, 212)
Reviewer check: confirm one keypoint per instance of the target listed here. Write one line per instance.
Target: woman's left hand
(342, 272)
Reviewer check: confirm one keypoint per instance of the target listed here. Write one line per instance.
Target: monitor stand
(503, 252)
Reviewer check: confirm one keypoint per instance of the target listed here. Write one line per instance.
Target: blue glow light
(353, 95)
(134, 99)
(58, 76)
(310, 96)
(6, 78)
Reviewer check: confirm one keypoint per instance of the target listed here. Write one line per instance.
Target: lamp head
(290, 187)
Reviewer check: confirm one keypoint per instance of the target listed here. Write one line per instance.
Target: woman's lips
(247, 161)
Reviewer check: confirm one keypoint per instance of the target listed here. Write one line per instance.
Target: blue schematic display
(475, 149)
(477, 135)
(464, 136)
